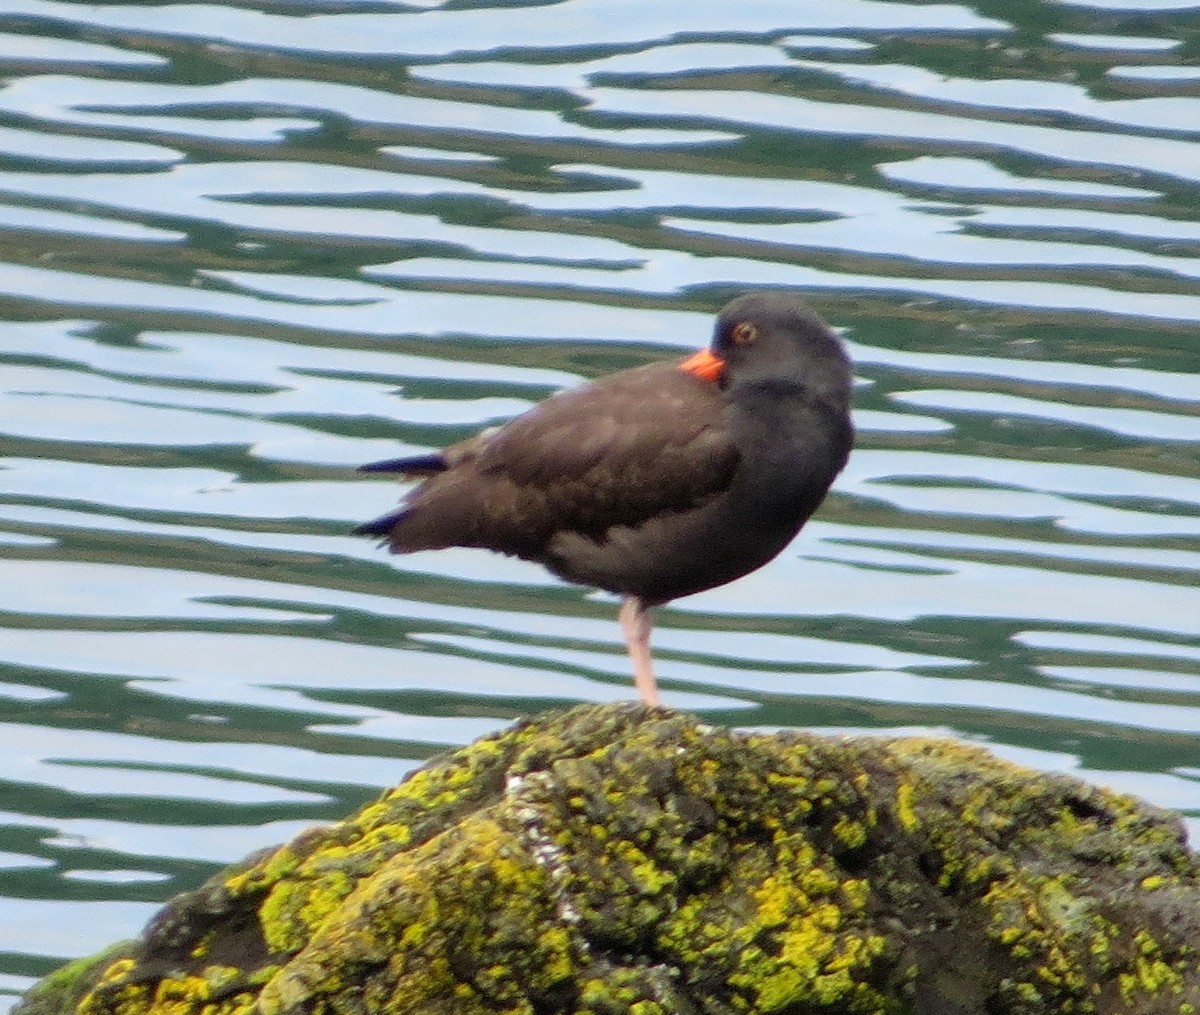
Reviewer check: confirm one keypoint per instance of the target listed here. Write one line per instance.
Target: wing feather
(616, 453)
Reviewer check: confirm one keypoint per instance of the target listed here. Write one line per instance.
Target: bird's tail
(381, 527)
(417, 524)
(415, 466)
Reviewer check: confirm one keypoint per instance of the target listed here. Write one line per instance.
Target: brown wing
(633, 446)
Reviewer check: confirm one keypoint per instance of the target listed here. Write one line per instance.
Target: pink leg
(635, 622)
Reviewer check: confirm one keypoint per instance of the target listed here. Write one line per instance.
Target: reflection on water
(246, 249)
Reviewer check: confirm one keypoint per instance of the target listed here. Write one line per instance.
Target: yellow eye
(744, 333)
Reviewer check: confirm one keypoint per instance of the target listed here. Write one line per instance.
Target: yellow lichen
(618, 861)
(852, 834)
(277, 867)
(1150, 975)
(905, 812)
(294, 910)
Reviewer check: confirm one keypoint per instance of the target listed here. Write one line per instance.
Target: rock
(616, 859)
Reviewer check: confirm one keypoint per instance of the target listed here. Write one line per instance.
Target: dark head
(772, 336)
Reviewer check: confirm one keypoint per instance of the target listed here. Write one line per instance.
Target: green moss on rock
(63, 989)
(624, 861)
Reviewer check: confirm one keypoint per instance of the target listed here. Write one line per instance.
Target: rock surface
(615, 859)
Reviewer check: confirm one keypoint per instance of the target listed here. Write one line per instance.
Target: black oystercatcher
(655, 482)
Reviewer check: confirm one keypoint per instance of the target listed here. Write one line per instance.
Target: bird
(654, 482)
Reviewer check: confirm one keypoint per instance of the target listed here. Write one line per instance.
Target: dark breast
(790, 447)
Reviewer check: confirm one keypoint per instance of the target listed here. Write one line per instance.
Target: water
(247, 248)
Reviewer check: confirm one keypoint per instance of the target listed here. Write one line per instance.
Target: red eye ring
(744, 333)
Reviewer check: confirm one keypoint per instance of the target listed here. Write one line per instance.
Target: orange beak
(704, 365)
